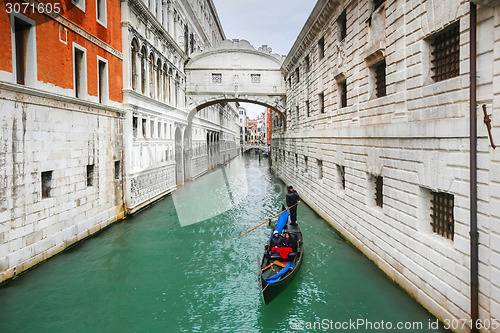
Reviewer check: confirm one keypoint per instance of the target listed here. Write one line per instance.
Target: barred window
(216, 78)
(321, 48)
(379, 191)
(90, 175)
(380, 78)
(46, 184)
(341, 175)
(443, 222)
(321, 102)
(342, 26)
(255, 78)
(446, 53)
(343, 93)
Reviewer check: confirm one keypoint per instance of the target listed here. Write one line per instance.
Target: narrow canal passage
(162, 271)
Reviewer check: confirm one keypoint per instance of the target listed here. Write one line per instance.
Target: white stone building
(376, 140)
(163, 149)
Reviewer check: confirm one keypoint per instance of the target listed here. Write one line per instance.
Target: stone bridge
(235, 71)
(261, 147)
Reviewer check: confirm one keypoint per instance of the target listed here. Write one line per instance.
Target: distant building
(242, 122)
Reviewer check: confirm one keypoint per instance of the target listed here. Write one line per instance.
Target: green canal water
(167, 269)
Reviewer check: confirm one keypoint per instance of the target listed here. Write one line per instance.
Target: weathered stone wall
(415, 137)
(40, 134)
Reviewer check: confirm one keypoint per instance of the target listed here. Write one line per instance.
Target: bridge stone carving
(235, 71)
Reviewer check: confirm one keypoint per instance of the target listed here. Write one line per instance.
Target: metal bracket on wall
(487, 121)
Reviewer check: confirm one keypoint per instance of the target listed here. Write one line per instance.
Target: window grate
(342, 22)
(446, 54)
(216, 78)
(380, 79)
(343, 93)
(379, 194)
(443, 222)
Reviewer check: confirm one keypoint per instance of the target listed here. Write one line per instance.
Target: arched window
(151, 75)
(177, 83)
(143, 69)
(158, 79)
(165, 80)
(169, 85)
(135, 51)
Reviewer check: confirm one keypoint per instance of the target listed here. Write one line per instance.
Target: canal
(172, 269)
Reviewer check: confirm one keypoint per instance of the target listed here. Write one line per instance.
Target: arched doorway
(179, 159)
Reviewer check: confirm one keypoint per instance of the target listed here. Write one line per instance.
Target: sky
(275, 23)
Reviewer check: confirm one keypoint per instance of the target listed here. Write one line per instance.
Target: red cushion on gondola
(283, 251)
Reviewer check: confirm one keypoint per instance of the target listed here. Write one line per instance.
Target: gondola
(274, 272)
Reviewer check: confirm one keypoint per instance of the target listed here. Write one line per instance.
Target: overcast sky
(275, 23)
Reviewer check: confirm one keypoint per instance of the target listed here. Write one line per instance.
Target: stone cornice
(319, 18)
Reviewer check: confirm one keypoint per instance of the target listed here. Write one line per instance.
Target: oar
(262, 223)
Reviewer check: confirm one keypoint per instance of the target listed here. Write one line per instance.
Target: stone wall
(60, 174)
(414, 139)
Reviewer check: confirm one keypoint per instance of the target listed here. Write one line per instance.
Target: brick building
(62, 123)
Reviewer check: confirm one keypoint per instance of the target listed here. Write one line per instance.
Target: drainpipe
(474, 235)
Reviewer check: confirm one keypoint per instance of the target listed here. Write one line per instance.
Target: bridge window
(255, 78)
(216, 77)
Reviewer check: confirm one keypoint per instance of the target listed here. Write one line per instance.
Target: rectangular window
(80, 72)
(79, 3)
(297, 113)
(144, 123)
(321, 103)
(379, 191)
(342, 86)
(307, 64)
(152, 129)
(46, 184)
(321, 48)
(445, 53)
(305, 164)
(255, 78)
(341, 176)
(134, 126)
(307, 109)
(320, 169)
(380, 78)
(217, 78)
(377, 3)
(117, 170)
(443, 222)
(22, 36)
(297, 74)
(101, 12)
(102, 81)
(342, 25)
(159, 130)
(90, 175)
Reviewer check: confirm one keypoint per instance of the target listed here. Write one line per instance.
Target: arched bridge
(235, 71)
(262, 147)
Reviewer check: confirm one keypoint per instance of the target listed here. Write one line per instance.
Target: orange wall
(55, 59)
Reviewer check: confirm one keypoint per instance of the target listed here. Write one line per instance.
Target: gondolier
(292, 199)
